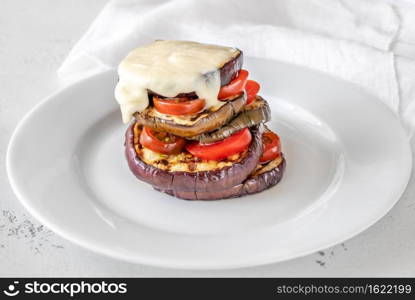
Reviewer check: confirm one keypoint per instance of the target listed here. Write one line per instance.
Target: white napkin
(351, 39)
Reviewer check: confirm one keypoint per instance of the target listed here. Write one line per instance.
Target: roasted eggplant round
(203, 181)
(252, 185)
(248, 117)
(206, 122)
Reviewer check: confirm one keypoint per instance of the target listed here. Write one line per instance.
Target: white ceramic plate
(348, 161)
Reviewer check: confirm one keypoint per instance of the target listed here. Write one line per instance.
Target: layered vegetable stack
(197, 120)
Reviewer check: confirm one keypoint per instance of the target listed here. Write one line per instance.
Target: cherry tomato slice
(252, 88)
(161, 142)
(272, 146)
(235, 87)
(178, 106)
(217, 151)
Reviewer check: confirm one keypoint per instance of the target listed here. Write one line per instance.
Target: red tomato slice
(272, 146)
(178, 106)
(235, 87)
(252, 88)
(216, 151)
(161, 142)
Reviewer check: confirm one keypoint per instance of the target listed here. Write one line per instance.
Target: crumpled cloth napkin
(370, 43)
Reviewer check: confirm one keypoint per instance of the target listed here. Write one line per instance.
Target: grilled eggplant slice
(266, 177)
(257, 112)
(205, 122)
(203, 181)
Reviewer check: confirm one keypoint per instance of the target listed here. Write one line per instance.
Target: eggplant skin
(250, 186)
(229, 70)
(246, 118)
(206, 181)
(208, 123)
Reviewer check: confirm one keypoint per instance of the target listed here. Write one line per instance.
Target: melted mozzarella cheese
(169, 68)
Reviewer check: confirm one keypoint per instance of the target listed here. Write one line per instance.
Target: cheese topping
(169, 68)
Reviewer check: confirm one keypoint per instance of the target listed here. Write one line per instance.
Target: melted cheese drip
(169, 68)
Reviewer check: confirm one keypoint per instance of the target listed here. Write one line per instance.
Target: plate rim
(172, 263)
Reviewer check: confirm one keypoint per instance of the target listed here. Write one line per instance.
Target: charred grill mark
(164, 162)
(192, 166)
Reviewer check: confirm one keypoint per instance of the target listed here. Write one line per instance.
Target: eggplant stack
(196, 122)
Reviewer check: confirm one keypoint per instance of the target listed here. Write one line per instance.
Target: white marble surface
(35, 36)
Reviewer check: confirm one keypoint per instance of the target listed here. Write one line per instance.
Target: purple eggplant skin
(231, 68)
(250, 186)
(206, 181)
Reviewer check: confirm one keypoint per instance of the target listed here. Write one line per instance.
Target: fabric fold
(350, 39)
